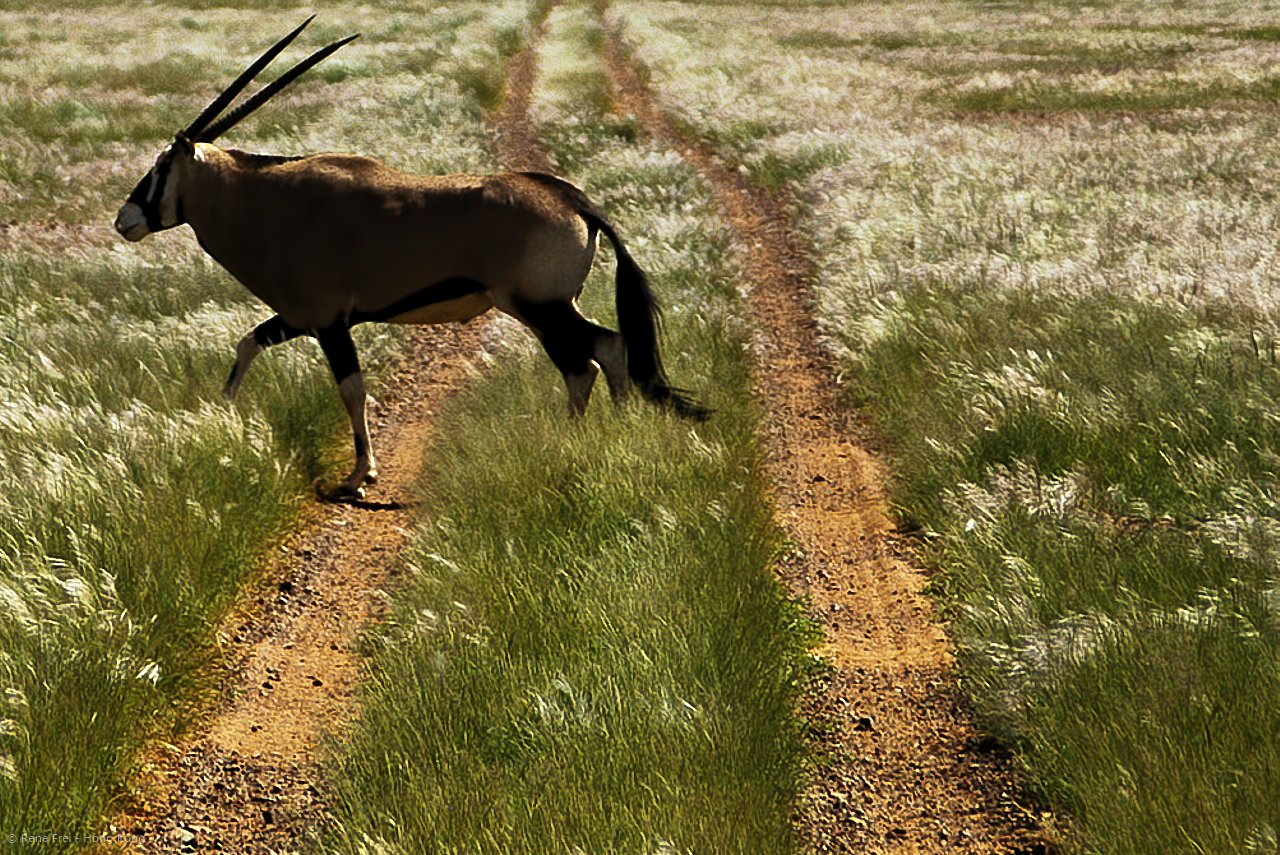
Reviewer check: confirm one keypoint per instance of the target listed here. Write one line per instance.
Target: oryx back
(340, 237)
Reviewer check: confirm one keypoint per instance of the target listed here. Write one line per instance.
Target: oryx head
(156, 203)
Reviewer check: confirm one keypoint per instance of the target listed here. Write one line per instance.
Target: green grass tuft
(178, 73)
(600, 660)
(1098, 473)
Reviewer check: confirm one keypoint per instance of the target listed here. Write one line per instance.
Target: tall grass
(596, 662)
(591, 654)
(1033, 274)
(1098, 477)
(137, 501)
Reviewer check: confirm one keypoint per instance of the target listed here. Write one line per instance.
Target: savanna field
(1044, 248)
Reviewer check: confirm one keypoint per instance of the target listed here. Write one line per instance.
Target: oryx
(333, 240)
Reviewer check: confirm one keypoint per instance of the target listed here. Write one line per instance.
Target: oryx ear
(183, 143)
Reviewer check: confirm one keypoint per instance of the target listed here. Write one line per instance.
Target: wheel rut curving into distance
(903, 769)
(519, 149)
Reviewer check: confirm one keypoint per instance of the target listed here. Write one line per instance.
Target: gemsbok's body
(333, 240)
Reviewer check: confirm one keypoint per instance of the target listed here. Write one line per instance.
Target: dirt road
(901, 769)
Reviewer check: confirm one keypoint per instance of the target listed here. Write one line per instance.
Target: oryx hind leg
(610, 353)
(264, 335)
(579, 348)
(340, 350)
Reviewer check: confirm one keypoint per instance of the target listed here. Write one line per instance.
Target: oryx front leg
(340, 350)
(264, 335)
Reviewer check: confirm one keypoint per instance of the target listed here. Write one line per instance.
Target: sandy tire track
(519, 148)
(247, 781)
(902, 767)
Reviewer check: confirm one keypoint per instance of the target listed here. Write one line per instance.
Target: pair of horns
(208, 127)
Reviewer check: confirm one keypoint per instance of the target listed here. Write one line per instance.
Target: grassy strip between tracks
(592, 655)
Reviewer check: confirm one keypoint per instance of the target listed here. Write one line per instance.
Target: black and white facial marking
(155, 204)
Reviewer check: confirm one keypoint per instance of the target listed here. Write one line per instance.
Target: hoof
(338, 493)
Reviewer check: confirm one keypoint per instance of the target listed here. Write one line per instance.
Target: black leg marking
(270, 332)
(572, 343)
(275, 331)
(568, 338)
(340, 350)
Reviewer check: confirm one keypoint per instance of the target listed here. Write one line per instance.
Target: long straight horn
(208, 114)
(221, 126)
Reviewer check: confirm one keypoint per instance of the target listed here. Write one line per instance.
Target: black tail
(639, 316)
(639, 321)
